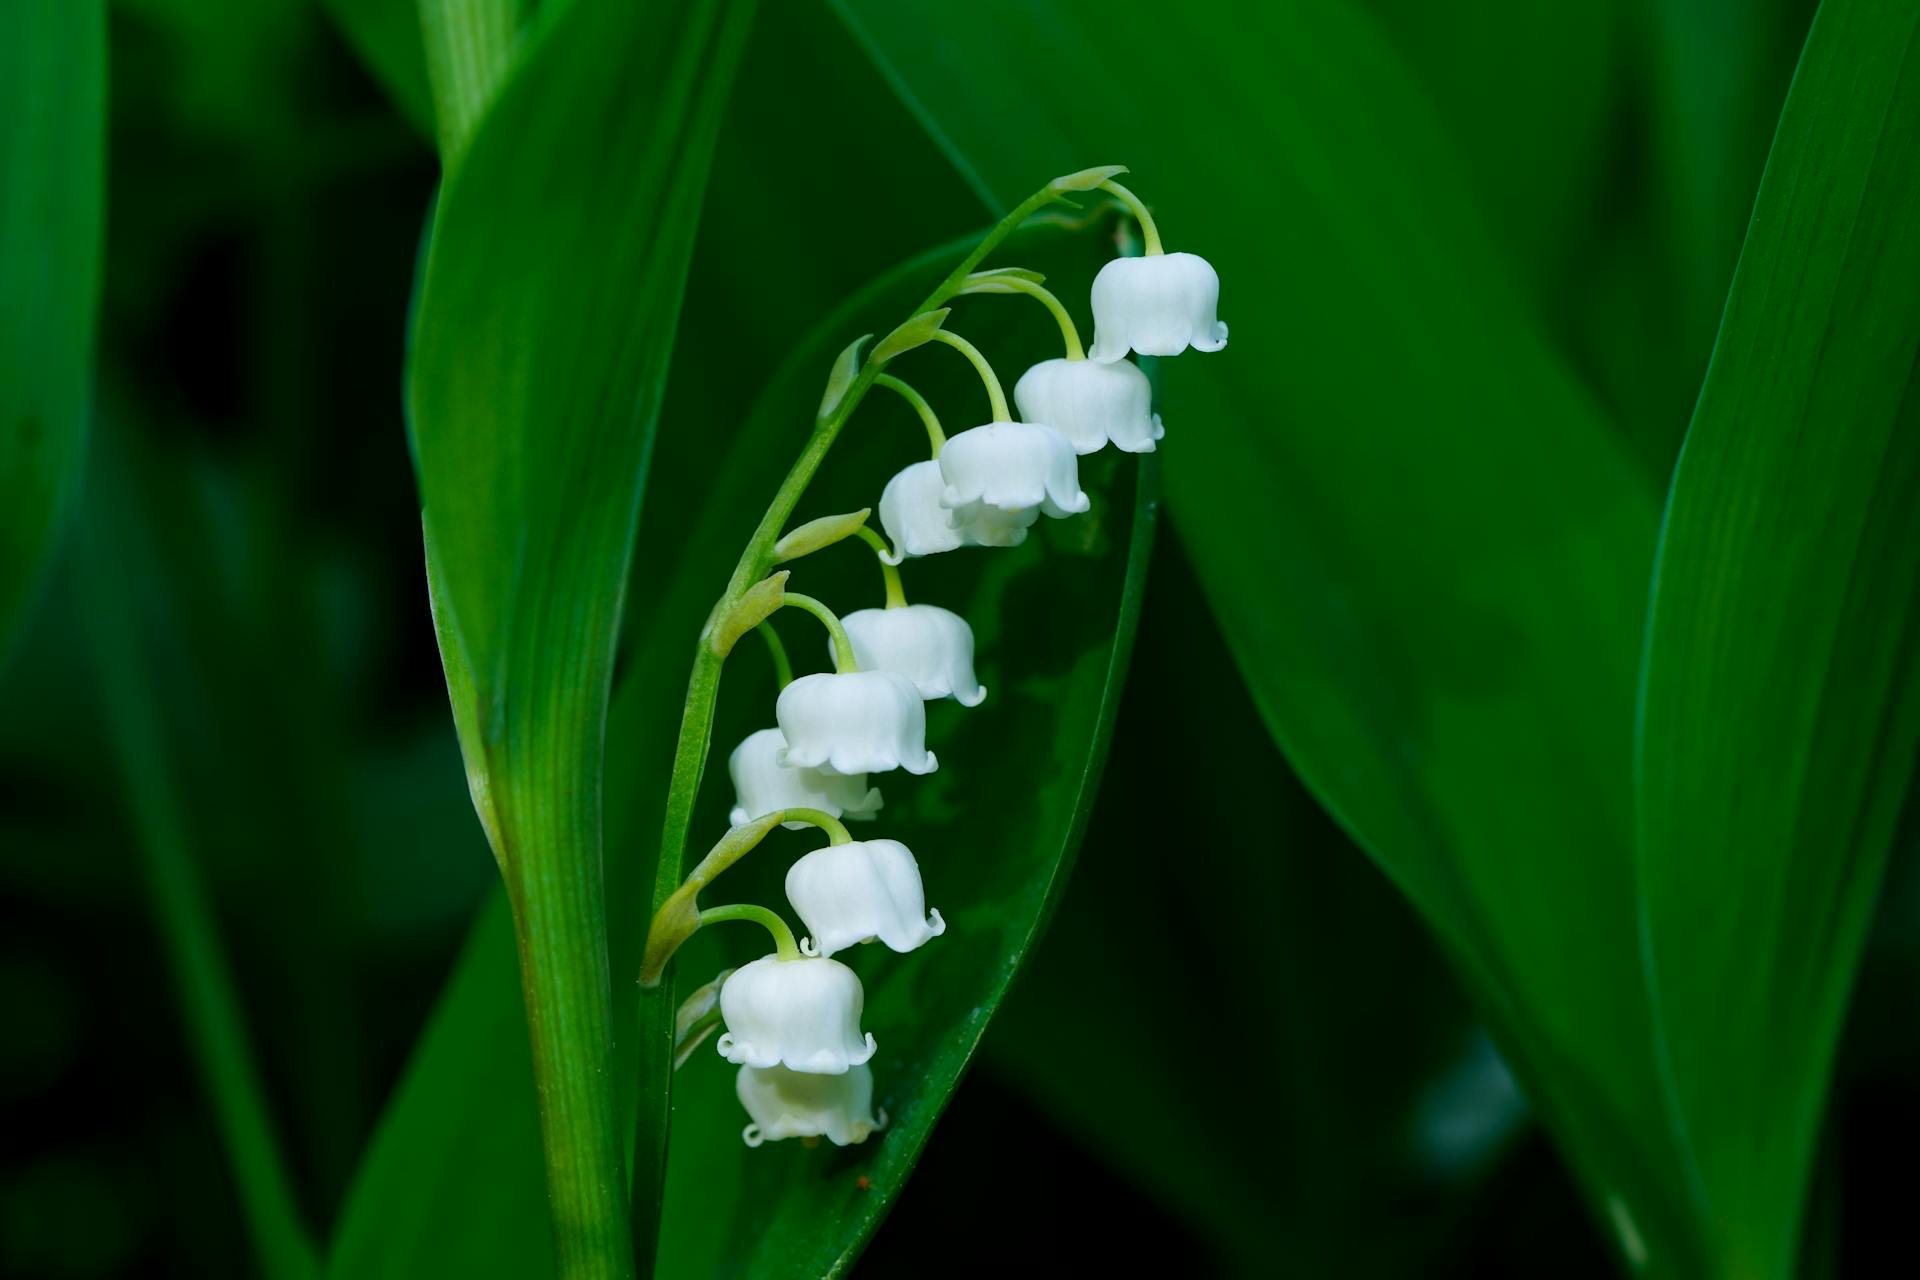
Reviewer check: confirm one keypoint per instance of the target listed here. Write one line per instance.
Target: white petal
(1158, 306)
(762, 784)
(931, 646)
(857, 722)
(1090, 403)
(1013, 467)
(803, 1014)
(853, 893)
(911, 513)
(794, 1104)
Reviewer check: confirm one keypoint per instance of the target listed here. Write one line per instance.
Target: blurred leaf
(1426, 547)
(468, 48)
(541, 342)
(111, 575)
(1779, 707)
(387, 34)
(52, 170)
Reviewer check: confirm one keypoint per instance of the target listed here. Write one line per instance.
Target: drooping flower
(761, 784)
(931, 646)
(1158, 305)
(803, 1014)
(853, 893)
(799, 1104)
(918, 525)
(854, 722)
(1016, 468)
(1091, 403)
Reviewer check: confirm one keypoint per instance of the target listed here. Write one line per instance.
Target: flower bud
(802, 1014)
(931, 646)
(1016, 468)
(848, 894)
(854, 722)
(796, 1104)
(1091, 403)
(761, 784)
(1157, 305)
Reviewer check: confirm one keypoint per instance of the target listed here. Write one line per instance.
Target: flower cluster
(792, 1019)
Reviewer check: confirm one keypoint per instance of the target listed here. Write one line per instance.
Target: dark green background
(1271, 1063)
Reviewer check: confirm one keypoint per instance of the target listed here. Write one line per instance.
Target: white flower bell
(1014, 468)
(1091, 403)
(803, 1014)
(931, 646)
(853, 893)
(798, 1104)
(918, 525)
(854, 722)
(761, 784)
(1158, 305)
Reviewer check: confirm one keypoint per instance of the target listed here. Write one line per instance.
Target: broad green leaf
(540, 349)
(468, 47)
(1426, 546)
(53, 93)
(387, 34)
(1780, 708)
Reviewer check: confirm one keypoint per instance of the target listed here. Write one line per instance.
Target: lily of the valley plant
(792, 1019)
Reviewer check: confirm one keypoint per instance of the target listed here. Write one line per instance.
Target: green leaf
(53, 59)
(1779, 706)
(541, 341)
(387, 35)
(468, 47)
(1426, 546)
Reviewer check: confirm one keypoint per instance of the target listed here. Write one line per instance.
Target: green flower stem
(843, 660)
(696, 722)
(995, 396)
(1033, 289)
(783, 944)
(935, 436)
(896, 596)
(1149, 233)
(782, 665)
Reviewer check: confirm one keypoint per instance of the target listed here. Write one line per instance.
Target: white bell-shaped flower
(1157, 305)
(1091, 403)
(761, 784)
(854, 722)
(803, 1014)
(853, 893)
(1015, 468)
(931, 646)
(799, 1104)
(918, 525)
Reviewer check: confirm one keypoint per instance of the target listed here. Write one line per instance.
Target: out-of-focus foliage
(1474, 260)
(1780, 706)
(52, 173)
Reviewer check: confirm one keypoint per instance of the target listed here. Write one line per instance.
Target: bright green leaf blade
(541, 341)
(387, 36)
(1780, 710)
(468, 48)
(52, 173)
(995, 832)
(1426, 546)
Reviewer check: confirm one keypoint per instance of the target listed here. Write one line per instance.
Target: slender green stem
(784, 945)
(836, 830)
(843, 659)
(1149, 233)
(936, 438)
(1017, 284)
(995, 396)
(896, 597)
(782, 665)
(183, 911)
